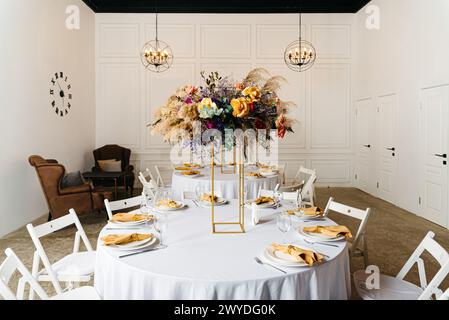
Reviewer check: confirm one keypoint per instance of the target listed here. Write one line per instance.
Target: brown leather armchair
(116, 152)
(82, 198)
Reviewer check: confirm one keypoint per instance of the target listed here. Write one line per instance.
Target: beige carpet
(387, 250)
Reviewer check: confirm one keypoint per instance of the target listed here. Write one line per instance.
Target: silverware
(321, 243)
(322, 219)
(267, 264)
(143, 251)
(125, 228)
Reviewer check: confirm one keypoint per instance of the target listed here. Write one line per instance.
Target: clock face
(61, 94)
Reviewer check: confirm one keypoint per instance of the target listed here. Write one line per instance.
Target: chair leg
(21, 288)
(365, 253)
(49, 216)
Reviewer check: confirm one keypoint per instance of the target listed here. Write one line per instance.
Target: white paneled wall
(127, 95)
(395, 89)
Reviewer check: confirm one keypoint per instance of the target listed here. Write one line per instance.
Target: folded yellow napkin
(208, 198)
(331, 231)
(182, 168)
(192, 165)
(314, 211)
(167, 203)
(129, 217)
(299, 254)
(263, 200)
(115, 239)
(190, 172)
(254, 174)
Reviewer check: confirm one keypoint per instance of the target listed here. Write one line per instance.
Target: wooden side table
(99, 176)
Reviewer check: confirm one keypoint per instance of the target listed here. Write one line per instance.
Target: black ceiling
(227, 6)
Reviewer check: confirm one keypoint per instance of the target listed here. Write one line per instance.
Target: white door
(388, 151)
(366, 125)
(434, 115)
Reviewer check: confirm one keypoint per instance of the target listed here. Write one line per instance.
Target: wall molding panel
(128, 95)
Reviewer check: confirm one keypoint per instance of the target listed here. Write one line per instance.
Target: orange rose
(239, 86)
(241, 107)
(252, 93)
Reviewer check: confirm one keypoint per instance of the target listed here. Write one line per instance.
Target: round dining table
(226, 184)
(197, 264)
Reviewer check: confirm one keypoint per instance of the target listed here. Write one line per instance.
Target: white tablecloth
(200, 265)
(226, 185)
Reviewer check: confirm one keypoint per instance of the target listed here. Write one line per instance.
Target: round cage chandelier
(300, 55)
(156, 55)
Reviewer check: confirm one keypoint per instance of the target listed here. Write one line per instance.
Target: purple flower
(210, 125)
(188, 100)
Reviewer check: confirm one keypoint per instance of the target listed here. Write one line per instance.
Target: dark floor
(392, 233)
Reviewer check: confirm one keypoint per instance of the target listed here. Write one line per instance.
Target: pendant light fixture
(156, 55)
(300, 55)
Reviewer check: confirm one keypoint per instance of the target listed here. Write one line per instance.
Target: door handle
(367, 146)
(391, 149)
(441, 155)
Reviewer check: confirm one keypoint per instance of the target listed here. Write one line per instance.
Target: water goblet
(283, 222)
(160, 225)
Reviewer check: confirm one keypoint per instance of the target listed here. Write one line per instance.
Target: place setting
(326, 235)
(205, 199)
(130, 244)
(164, 201)
(289, 255)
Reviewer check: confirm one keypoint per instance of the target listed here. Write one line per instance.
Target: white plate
(282, 259)
(147, 243)
(304, 217)
(128, 224)
(318, 236)
(253, 178)
(134, 244)
(219, 202)
(269, 175)
(263, 205)
(182, 205)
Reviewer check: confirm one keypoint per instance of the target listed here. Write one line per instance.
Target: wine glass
(162, 194)
(160, 225)
(144, 205)
(284, 222)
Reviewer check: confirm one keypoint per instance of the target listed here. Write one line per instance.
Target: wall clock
(61, 94)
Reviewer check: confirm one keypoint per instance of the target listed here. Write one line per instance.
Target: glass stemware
(284, 222)
(160, 225)
(144, 205)
(162, 194)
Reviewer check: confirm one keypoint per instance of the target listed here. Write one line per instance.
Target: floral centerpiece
(224, 104)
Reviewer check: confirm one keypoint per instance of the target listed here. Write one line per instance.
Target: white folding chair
(445, 295)
(291, 188)
(12, 264)
(290, 196)
(308, 188)
(122, 204)
(267, 193)
(149, 187)
(396, 288)
(76, 267)
(188, 195)
(164, 175)
(358, 247)
(282, 169)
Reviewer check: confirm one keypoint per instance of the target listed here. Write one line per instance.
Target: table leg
(115, 188)
(124, 186)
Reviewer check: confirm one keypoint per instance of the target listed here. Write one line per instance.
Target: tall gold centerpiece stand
(232, 227)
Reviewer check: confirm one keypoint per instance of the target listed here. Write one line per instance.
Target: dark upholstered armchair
(113, 151)
(82, 197)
